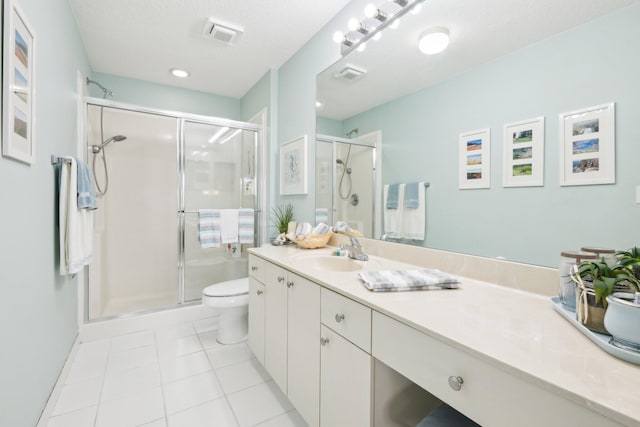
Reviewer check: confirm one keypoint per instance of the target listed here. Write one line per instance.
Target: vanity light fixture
(376, 19)
(434, 41)
(177, 72)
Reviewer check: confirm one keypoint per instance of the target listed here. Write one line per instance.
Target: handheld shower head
(117, 138)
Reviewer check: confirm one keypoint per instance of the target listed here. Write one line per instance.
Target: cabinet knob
(289, 284)
(259, 292)
(456, 383)
(324, 341)
(339, 317)
(254, 268)
(280, 279)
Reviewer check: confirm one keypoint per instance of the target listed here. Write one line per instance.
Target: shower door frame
(181, 119)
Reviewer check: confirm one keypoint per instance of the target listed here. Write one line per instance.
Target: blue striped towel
(209, 228)
(408, 280)
(86, 192)
(246, 219)
(393, 196)
(322, 215)
(411, 200)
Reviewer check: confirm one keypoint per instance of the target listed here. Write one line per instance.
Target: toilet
(231, 300)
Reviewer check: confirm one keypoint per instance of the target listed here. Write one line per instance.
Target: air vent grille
(350, 73)
(221, 31)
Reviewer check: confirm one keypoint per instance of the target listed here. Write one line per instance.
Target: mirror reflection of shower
(346, 185)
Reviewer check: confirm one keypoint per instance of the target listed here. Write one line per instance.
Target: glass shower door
(219, 173)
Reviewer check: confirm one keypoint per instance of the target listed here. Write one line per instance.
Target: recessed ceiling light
(434, 41)
(177, 72)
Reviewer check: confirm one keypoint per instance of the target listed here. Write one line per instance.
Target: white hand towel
(393, 217)
(229, 225)
(76, 225)
(413, 220)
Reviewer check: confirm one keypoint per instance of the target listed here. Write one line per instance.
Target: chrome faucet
(355, 250)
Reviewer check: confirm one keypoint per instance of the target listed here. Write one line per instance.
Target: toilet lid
(229, 288)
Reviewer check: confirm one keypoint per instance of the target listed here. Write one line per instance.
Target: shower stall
(155, 171)
(345, 181)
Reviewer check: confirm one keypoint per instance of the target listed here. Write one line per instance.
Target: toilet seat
(230, 288)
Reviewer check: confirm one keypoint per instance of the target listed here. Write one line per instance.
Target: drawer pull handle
(259, 292)
(456, 383)
(280, 279)
(324, 341)
(254, 268)
(339, 317)
(289, 284)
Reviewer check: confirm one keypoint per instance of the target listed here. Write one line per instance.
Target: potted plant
(596, 280)
(631, 259)
(622, 318)
(282, 216)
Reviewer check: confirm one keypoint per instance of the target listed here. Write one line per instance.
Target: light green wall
(326, 126)
(256, 98)
(590, 65)
(165, 97)
(38, 312)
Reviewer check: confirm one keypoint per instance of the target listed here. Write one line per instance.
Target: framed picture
(18, 94)
(293, 166)
(587, 146)
(474, 153)
(523, 164)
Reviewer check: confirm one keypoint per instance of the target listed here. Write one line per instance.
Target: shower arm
(105, 91)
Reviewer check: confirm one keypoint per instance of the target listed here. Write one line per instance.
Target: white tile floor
(170, 377)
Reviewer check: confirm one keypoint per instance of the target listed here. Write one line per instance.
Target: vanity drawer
(350, 319)
(488, 395)
(257, 268)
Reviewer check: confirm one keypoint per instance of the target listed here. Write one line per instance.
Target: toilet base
(233, 327)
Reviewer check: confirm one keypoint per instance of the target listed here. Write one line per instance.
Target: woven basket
(313, 241)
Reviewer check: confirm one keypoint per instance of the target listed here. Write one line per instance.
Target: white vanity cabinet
(257, 302)
(275, 335)
(345, 361)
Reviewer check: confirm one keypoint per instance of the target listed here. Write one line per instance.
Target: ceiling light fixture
(177, 72)
(434, 41)
(376, 19)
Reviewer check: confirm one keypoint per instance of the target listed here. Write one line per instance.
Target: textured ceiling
(143, 39)
(480, 32)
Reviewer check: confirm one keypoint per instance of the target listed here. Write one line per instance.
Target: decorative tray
(602, 340)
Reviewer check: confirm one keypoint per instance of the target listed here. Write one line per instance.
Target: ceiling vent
(221, 31)
(350, 73)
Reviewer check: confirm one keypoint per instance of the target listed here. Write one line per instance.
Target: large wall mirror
(507, 62)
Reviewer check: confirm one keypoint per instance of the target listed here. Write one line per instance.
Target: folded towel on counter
(86, 191)
(229, 225)
(321, 228)
(209, 228)
(393, 194)
(408, 280)
(246, 220)
(411, 195)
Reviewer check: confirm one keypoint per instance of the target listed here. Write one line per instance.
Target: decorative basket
(313, 241)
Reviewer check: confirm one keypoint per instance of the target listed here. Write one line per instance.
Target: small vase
(622, 320)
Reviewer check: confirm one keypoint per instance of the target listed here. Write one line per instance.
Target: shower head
(351, 132)
(117, 138)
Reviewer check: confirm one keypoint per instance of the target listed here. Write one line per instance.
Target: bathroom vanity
(499, 355)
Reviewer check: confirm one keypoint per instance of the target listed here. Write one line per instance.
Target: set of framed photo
(586, 151)
(18, 70)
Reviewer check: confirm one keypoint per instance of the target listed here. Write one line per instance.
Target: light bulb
(377, 36)
(395, 24)
(177, 72)
(361, 47)
(370, 10)
(338, 37)
(353, 24)
(434, 41)
(416, 9)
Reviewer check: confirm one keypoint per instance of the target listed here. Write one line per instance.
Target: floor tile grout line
(104, 377)
(164, 400)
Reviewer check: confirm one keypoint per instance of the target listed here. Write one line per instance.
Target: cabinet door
(275, 344)
(345, 382)
(256, 318)
(304, 347)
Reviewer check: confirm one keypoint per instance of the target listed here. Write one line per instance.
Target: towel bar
(56, 160)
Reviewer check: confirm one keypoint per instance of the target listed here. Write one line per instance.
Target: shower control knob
(280, 279)
(339, 317)
(260, 292)
(456, 383)
(289, 284)
(324, 341)
(254, 268)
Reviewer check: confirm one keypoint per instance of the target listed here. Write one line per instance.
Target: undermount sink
(328, 262)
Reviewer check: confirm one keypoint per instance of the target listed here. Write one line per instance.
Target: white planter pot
(622, 320)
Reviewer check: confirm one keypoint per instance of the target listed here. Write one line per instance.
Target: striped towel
(246, 233)
(209, 228)
(408, 280)
(322, 215)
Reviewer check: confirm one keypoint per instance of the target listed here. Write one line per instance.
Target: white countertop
(519, 332)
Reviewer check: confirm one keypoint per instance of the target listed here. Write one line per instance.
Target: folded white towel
(408, 280)
(76, 225)
(229, 225)
(209, 228)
